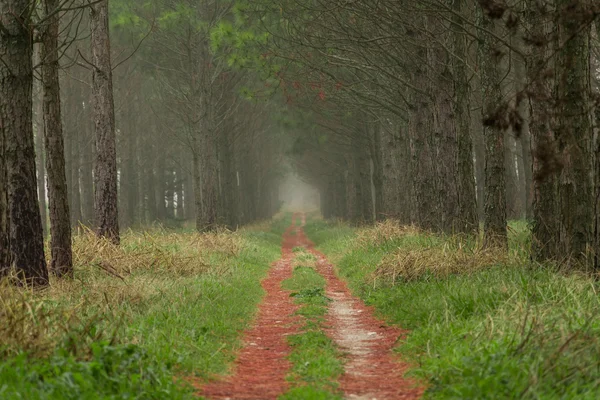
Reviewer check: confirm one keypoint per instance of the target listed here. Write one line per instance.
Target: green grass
(194, 324)
(316, 360)
(281, 223)
(518, 331)
(135, 337)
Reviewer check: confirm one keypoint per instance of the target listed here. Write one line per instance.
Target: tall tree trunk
(105, 169)
(493, 133)
(16, 80)
(478, 146)
(160, 188)
(197, 178)
(513, 206)
(377, 173)
(127, 180)
(75, 206)
(60, 224)
(524, 150)
(426, 207)
(41, 168)
(4, 222)
(543, 145)
(208, 169)
(179, 178)
(465, 186)
(39, 144)
(86, 157)
(574, 131)
(170, 182)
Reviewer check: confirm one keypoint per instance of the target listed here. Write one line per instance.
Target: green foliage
(504, 332)
(281, 223)
(170, 326)
(113, 372)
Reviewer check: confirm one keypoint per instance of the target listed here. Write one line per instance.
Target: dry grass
(109, 282)
(261, 226)
(158, 251)
(407, 265)
(36, 323)
(302, 258)
(424, 253)
(384, 232)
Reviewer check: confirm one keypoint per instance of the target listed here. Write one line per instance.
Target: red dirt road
(372, 371)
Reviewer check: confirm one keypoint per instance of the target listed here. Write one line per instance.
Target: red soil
(262, 365)
(372, 371)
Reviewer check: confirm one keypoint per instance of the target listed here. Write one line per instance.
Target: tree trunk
(75, 205)
(128, 180)
(377, 172)
(574, 132)
(60, 224)
(180, 178)
(16, 80)
(85, 170)
(524, 135)
(160, 187)
(39, 145)
(197, 178)
(170, 182)
(493, 134)
(467, 198)
(4, 222)
(426, 207)
(208, 170)
(513, 206)
(105, 169)
(543, 143)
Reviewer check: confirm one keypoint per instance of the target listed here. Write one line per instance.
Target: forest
(282, 199)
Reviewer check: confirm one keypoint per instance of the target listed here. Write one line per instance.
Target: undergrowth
(162, 305)
(482, 325)
(315, 358)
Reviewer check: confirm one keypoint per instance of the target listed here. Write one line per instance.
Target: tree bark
(160, 188)
(16, 80)
(574, 132)
(105, 169)
(493, 133)
(39, 144)
(208, 168)
(467, 221)
(86, 157)
(60, 224)
(4, 222)
(513, 201)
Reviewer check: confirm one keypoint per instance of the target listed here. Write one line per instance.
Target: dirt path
(372, 372)
(262, 365)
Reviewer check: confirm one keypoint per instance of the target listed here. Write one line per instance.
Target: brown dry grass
(110, 281)
(158, 251)
(384, 232)
(419, 253)
(409, 264)
(302, 258)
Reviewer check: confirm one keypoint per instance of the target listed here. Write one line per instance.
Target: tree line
(443, 114)
(121, 117)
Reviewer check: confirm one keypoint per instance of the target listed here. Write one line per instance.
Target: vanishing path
(372, 371)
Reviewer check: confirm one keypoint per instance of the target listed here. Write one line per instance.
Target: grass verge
(160, 306)
(481, 327)
(316, 361)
